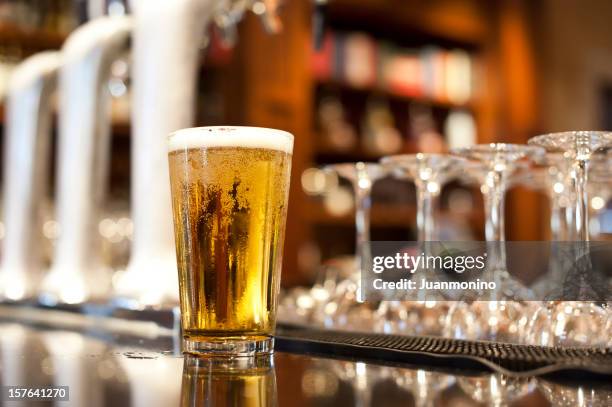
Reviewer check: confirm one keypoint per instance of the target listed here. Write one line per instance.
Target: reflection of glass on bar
(229, 196)
(233, 381)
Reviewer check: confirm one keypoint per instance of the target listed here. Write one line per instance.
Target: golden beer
(229, 196)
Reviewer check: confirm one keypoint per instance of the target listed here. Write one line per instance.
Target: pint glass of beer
(229, 190)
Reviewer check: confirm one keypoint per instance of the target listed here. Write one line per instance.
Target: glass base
(230, 347)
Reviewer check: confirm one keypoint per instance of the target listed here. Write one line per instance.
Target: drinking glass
(429, 172)
(500, 318)
(577, 148)
(574, 323)
(229, 189)
(345, 309)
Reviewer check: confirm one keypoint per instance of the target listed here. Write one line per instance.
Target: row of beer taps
(163, 38)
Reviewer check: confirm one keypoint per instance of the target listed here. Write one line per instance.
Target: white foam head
(231, 136)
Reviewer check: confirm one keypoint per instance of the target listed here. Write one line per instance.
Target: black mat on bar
(511, 359)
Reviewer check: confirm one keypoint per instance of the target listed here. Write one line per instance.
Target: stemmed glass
(551, 177)
(345, 308)
(574, 323)
(577, 148)
(429, 172)
(500, 318)
(557, 186)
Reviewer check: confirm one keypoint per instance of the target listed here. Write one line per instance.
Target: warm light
(316, 181)
(72, 293)
(558, 187)
(339, 201)
(425, 174)
(259, 8)
(107, 228)
(125, 227)
(500, 167)
(580, 396)
(433, 187)
(597, 203)
(365, 183)
(51, 229)
(15, 291)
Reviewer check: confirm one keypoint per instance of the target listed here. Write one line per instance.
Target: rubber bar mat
(511, 359)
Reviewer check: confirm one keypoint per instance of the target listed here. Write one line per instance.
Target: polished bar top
(106, 368)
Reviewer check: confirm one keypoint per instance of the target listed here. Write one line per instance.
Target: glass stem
(363, 203)
(557, 216)
(426, 202)
(555, 219)
(581, 213)
(558, 231)
(494, 198)
(494, 207)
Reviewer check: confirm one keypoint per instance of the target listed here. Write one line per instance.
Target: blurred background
(358, 79)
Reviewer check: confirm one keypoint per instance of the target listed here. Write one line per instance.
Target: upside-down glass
(499, 318)
(574, 323)
(346, 309)
(229, 189)
(429, 172)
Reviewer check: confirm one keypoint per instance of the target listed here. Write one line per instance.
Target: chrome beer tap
(26, 165)
(165, 57)
(77, 273)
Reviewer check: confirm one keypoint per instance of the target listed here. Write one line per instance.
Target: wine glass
(500, 318)
(429, 172)
(346, 308)
(575, 323)
(577, 148)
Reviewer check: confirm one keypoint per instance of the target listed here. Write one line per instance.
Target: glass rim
(403, 158)
(574, 133)
(230, 136)
(495, 148)
(547, 140)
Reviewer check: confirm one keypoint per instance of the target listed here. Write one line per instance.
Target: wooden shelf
(457, 22)
(342, 86)
(330, 153)
(36, 39)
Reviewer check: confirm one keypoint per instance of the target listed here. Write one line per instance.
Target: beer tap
(26, 165)
(165, 55)
(77, 272)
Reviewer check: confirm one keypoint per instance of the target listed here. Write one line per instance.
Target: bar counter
(122, 363)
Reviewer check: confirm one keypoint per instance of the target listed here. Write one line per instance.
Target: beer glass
(229, 188)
